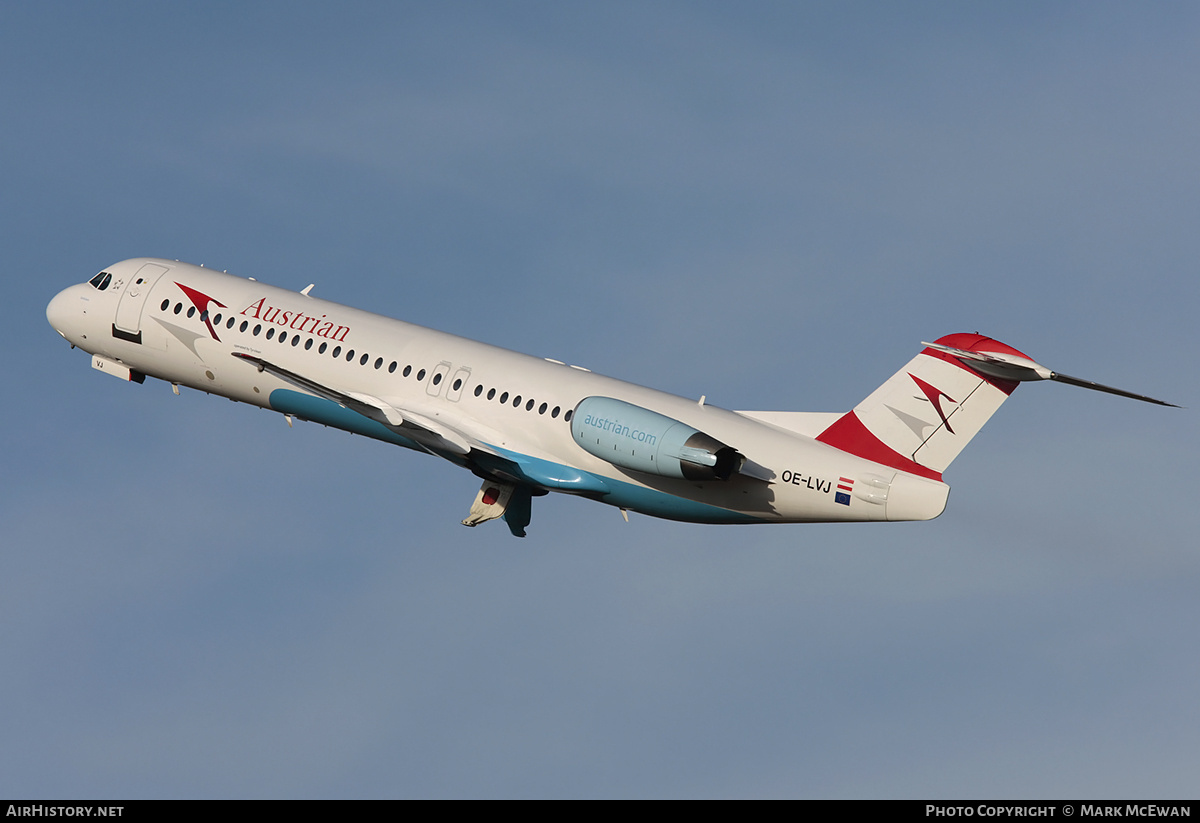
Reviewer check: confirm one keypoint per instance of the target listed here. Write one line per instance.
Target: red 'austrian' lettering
(299, 321)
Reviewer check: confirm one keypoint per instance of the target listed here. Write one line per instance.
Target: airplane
(527, 426)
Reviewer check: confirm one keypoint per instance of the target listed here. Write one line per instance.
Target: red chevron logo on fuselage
(201, 300)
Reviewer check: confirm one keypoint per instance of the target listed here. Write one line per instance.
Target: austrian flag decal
(842, 495)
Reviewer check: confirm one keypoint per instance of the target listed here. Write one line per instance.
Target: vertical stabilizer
(923, 416)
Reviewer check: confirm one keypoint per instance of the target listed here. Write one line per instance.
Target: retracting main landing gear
(507, 500)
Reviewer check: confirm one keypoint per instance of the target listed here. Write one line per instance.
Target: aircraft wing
(423, 426)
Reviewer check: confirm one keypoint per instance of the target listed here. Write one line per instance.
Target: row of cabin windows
(529, 404)
(362, 360)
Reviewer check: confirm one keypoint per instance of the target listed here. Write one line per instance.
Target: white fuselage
(497, 412)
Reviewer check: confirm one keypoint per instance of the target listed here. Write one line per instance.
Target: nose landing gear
(507, 500)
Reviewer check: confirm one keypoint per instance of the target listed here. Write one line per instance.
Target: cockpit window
(101, 280)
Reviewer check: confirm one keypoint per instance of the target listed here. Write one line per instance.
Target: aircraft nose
(58, 312)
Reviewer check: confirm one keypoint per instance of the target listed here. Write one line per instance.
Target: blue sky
(770, 204)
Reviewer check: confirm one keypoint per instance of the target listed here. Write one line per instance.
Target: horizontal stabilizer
(1088, 384)
(1011, 367)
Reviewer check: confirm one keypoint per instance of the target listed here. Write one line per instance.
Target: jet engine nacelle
(635, 438)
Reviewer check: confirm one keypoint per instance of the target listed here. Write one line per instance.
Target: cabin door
(128, 324)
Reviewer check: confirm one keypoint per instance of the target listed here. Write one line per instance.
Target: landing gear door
(128, 323)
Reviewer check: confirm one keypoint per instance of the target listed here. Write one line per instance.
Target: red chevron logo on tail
(934, 395)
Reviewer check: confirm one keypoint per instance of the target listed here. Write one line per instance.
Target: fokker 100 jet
(527, 426)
